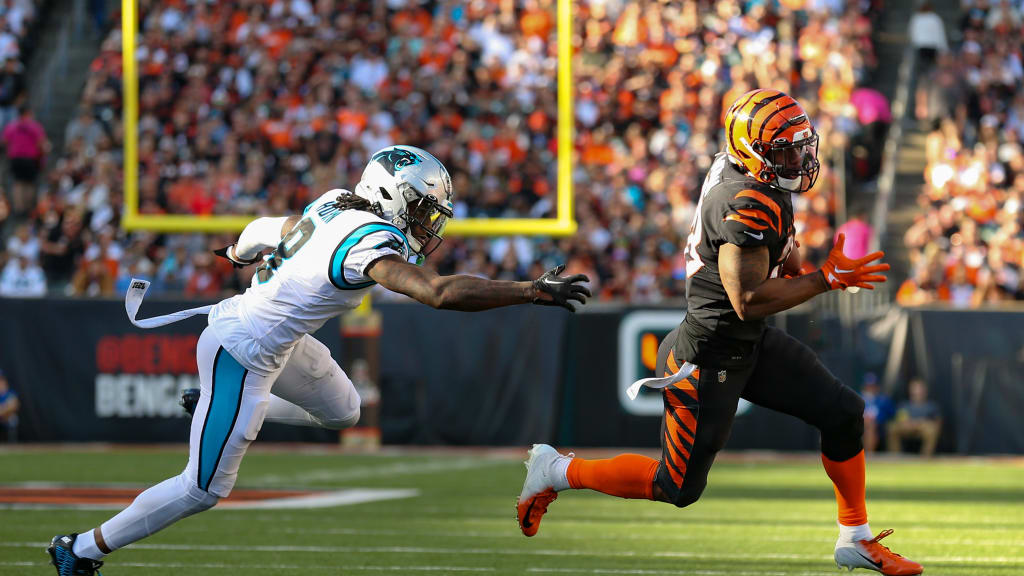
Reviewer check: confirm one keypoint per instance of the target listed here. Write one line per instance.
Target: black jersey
(735, 209)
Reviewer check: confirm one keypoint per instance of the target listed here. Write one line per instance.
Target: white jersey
(316, 273)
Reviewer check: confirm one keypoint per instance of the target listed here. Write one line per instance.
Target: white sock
(560, 475)
(855, 533)
(85, 546)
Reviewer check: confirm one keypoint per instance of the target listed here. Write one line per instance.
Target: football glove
(561, 289)
(227, 252)
(842, 272)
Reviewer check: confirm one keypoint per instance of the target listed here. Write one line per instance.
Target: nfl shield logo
(721, 375)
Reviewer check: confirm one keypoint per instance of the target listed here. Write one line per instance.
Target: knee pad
(340, 421)
(688, 495)
(197, 499)
(680, 497)
(201, 499)
(842, 435)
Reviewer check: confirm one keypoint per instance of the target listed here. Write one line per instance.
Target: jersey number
(295, 239)
(693, 261)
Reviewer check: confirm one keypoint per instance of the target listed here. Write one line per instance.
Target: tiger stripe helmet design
(769, 134)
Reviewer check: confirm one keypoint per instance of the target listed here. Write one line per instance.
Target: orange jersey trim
(760, 215)
(745, 221)
(764, 199)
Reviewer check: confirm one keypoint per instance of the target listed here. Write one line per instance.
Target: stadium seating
(966, 245)
(249, 107)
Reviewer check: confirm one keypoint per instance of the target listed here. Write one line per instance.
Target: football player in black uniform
(742, 267)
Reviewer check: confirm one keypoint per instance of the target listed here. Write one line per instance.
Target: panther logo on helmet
(412, 189)
(394, 159)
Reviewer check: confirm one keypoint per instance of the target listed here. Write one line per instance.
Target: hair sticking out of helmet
(353, 202)
(413, 191)
(770, 136)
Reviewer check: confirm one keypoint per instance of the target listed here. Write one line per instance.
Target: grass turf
(774, 518)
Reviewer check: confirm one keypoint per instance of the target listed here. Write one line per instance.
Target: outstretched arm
(744, 273)
(259, 235)
(469, 293)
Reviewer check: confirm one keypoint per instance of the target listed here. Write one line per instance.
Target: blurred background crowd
(257, 107)
(966, 245)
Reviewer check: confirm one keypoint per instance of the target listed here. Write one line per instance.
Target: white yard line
(683, 572)
(509, 532)
(520, 552)
(331, 567)
(345, 497)
(363, 472)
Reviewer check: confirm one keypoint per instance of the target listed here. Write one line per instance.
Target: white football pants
(310, 390)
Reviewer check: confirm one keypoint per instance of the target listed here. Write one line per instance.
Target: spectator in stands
(918, 418)
(93, 279)
(22, 277)
(5, 209)
(878, 410)
(26, 145)
(9, 407)
(858, 235)
(11, 87)
(927, 34)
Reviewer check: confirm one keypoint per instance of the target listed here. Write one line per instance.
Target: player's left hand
(842, 272)
(555, 290)
(229, 253)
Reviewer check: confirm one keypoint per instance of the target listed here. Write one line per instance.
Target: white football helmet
(412, 190)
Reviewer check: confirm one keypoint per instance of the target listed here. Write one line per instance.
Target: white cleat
(871, 555)
(538, 488)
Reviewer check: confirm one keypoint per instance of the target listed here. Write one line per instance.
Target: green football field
(758, 517)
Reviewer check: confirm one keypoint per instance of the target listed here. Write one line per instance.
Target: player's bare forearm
(744, 273)
(458, 292)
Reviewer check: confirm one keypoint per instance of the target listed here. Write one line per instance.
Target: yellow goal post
(563, 224)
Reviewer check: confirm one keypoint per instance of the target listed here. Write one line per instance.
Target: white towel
(133, 300)
(656, 383)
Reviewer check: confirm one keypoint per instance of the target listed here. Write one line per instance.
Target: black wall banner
(505, 377)
(84, 373)
(459, 378)
(973, 363)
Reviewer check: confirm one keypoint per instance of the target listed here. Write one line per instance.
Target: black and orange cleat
(530, 511)
(538, 488)
(872, 555)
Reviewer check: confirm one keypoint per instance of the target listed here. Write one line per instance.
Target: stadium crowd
(967, 244)
(255, 107)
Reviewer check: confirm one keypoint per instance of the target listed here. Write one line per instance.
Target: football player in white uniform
(257, 360)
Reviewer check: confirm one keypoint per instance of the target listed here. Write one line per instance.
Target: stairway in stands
(56, 73)
(911, 160)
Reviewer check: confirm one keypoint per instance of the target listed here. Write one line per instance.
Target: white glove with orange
(842, 272)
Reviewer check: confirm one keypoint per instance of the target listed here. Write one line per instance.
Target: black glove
(562, 289)
(225, 253)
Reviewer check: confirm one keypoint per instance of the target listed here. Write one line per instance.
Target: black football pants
(783, 374)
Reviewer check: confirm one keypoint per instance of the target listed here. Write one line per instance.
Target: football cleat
(189, 399)
(62, 556)
(538, 488)
(870, 554)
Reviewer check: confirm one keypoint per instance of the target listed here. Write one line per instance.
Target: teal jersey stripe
(225, 401)
(336, 272)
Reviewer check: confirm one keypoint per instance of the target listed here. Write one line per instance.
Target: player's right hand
(842, 272)
(555, 290)
(229, 253)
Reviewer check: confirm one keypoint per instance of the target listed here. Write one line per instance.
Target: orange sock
(848, 479)
(625, 476)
